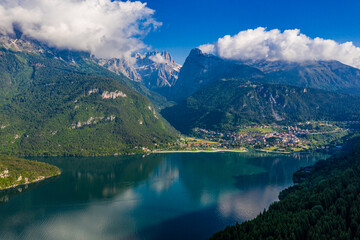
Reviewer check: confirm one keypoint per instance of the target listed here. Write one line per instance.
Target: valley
(89, 106)
(146, 148)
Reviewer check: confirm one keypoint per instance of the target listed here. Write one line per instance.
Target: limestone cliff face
(157, 69)
(153, 69)
(120, 66)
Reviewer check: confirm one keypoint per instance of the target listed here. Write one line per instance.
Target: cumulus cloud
(290, 45)
(103, 27)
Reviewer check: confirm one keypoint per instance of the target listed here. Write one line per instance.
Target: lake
(159, 196)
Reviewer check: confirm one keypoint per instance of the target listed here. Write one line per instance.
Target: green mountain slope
(49, 106)
(230, 102)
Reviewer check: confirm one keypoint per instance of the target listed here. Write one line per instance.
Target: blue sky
(190, 23)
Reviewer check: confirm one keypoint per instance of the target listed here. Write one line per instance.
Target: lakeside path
(225, 150)
(199, 151)
(270, 151)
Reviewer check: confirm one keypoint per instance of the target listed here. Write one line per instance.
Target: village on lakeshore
(299, 137)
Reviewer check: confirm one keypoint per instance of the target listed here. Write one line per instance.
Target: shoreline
(200, 151)
(269, 151)
(28, 183)
(170, 151)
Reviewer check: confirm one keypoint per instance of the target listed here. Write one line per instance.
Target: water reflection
(185, 196)
(164, 176)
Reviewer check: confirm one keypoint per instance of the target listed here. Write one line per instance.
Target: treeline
(325, 205)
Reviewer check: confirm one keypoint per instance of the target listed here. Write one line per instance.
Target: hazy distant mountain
(226, 103)
(326, 75)
(154, 69)
(60, 102)
(201, 69)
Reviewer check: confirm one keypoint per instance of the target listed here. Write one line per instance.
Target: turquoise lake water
(160, 196)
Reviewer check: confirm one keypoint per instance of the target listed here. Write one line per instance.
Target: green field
(256, 130)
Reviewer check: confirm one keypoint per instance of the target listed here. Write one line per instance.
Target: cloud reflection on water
(146, 197)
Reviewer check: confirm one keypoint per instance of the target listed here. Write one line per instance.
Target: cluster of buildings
(297, 137)
(263, 136)
(252, 139)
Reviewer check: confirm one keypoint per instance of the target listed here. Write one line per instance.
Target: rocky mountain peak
(154, 69)
(21, 43)
(155, 57)
(120, 66)
(157, 69)
(201, 69)
(196, 51)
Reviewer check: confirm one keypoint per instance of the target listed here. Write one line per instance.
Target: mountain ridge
(201, 69)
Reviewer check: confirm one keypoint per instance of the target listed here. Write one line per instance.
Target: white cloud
(105, 28)
(157, 58)
(290, 45)
(207, 48)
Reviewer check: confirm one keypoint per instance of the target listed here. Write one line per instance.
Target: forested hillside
(16, 171)
(49, 106)
(230, 102)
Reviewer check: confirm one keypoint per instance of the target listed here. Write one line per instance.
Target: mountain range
(326, 75)
(219, 94)
(201, 69)
(55, 102)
